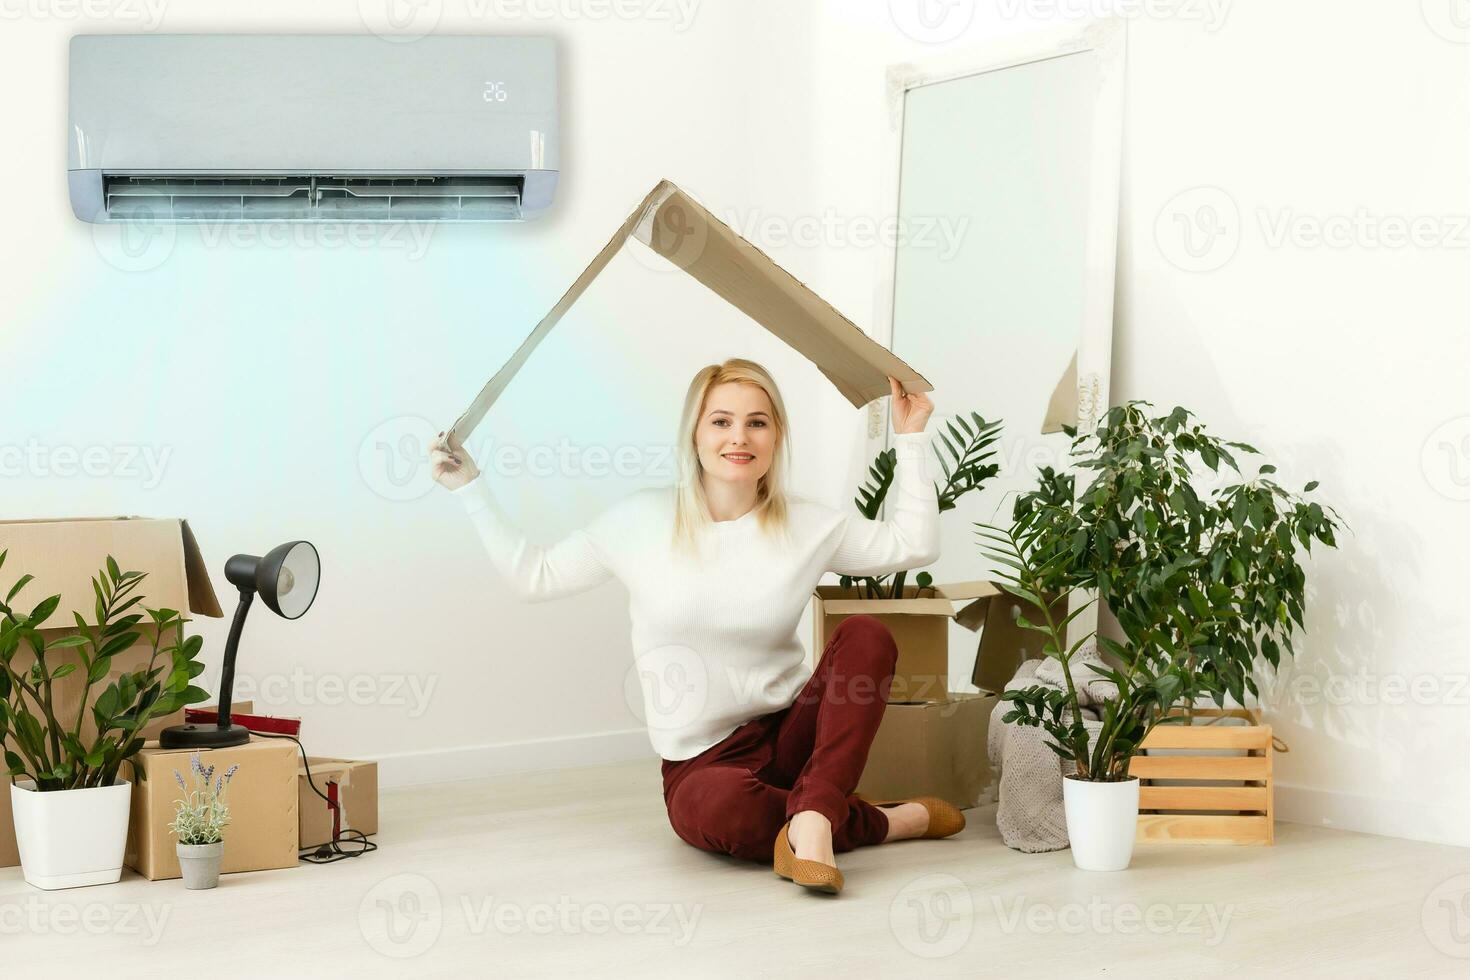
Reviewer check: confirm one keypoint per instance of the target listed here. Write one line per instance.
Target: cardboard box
(63, 555)
(931, 748)
(262, 798)
(679, 229)
(1004, 643)
(353, 784)
(920, 627)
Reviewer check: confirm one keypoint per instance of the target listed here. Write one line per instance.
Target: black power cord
(332, 850)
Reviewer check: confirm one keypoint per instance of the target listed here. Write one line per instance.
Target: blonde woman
(760, 754)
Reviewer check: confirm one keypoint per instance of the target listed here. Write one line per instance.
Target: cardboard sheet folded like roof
(678, 228)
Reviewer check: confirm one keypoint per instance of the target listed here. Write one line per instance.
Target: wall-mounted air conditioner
(311, 128)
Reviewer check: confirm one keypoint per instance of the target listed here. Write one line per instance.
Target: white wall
(1342, 362)
(279, 378)
(287, 385)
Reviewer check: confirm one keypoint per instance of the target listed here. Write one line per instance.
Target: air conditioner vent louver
(246, 197)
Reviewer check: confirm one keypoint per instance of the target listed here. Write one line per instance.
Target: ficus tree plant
(1203, 583)
(963, 447)
(40, 743)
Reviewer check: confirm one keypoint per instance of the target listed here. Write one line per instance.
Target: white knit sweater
(714, 637)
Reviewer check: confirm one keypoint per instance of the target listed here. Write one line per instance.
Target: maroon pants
(734, 797)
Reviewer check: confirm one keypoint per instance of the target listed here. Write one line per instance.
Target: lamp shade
(287, 578)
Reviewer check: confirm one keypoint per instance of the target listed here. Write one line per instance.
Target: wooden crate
(1235, 806)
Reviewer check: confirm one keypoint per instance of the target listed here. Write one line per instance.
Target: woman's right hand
(449, 464)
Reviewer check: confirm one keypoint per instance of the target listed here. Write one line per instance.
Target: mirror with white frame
(1005, 178)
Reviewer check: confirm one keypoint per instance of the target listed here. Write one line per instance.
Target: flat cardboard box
(262, 798)
(931, 748)
(63, 555)
(356, 790)
(920, 627)
(678, 228)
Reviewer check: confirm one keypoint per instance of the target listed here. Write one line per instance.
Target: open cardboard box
(931, 740)
(64, 555)
(352, 784)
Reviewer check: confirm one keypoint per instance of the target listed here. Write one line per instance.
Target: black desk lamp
(286, 579)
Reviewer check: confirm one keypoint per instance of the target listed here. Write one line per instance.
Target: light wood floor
(577, 873)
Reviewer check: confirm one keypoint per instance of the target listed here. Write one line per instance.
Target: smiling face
(736, 436)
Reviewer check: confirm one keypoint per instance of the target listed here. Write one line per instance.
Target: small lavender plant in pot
(199, 823)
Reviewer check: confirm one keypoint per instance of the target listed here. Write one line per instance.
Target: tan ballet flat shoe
(810, 874)
(945, 819)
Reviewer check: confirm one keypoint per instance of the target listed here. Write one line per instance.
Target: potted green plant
(963, 448)
(69, 800)
(199, 821)
(1203, 583)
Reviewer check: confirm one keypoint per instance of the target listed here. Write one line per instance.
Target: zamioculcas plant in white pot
(69, 801)
(199, 823)
(1201, 584)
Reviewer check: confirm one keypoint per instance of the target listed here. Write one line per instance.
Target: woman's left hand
(910, 410)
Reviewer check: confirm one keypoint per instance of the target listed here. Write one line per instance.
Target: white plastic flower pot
(73, 837)
(200, 863)
(1102, 822)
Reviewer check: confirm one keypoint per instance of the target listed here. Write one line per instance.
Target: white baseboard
(479, 761)
(1372, 815)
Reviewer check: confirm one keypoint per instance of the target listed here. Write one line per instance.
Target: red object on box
(256, 723)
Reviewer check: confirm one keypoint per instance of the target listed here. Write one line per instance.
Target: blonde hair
(691, 507)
